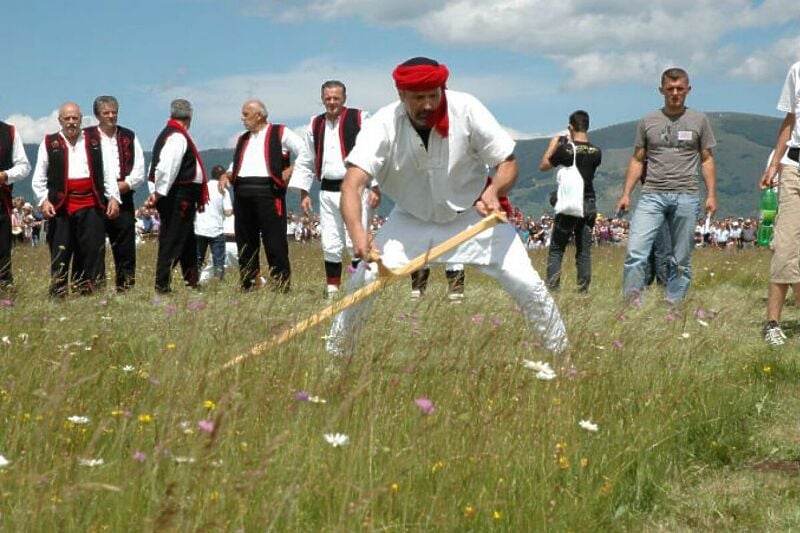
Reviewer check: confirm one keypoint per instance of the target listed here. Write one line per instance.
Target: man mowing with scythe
(429, 152)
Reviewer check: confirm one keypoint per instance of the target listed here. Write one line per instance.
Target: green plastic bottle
(768, 205)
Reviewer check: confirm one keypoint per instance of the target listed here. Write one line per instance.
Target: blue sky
(532, 62)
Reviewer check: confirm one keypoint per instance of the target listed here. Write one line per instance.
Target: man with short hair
(785, 264)
(259, 173)
(328, 139)
(429, 152)
(123, 159)
(14, 166)
(587, 157)
(76, 195)
(673, 142)
(179, 191)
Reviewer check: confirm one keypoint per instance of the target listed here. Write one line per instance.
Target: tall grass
(687, 400)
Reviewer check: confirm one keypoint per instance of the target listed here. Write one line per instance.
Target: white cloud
(768, 64)
(587, 37)
(32, 130)
(295, 94)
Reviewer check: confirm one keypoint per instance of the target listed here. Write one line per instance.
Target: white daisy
(180, 459)
(78, 420)
(588, 425)
(545, 375)
(91, 463)
(4, 462)
(337, 439)
(128, 368)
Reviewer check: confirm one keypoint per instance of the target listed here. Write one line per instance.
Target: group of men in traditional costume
(431, 152)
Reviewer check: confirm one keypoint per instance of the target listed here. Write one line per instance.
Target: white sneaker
(455, 297)
(416, 294)
(331, 291)
(774, 336)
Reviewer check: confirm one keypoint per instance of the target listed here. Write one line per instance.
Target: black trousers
(261, 219)
(5, 248)
(176, 239)
(121, 232)
(79, 239)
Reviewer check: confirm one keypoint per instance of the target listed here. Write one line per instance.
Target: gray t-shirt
(673, 146)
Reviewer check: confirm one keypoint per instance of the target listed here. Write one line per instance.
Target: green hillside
(743, 145)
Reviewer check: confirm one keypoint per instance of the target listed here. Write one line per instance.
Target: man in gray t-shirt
(672, 146)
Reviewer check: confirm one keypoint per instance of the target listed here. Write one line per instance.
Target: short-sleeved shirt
(436, 183)
(790, 103)
(672, 149)
(587, 158)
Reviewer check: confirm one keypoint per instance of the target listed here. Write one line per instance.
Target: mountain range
(744, 142)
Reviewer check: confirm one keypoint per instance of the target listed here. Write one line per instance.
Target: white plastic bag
(570, 189)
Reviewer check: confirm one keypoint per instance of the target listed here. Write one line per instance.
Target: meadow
(109, 421)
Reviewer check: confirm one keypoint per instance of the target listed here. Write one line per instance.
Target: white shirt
(169, 163)
(437, 183)
(77, 167)
(790, 103)
(110, 149)
(332, 167)
(21, 167)
(254, 163)
(210, 222)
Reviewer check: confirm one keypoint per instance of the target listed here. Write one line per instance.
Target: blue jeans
(217, 245)
(679, 211)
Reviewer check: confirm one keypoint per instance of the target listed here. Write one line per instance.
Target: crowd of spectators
(28, 226)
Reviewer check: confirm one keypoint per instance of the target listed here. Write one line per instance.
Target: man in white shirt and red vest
(260, 172)
(429, 152)
(328, 140)
(179, 191)
(14, 166)
(76, 196)
(123, 159)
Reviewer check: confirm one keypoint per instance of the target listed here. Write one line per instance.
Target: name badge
(684, 135)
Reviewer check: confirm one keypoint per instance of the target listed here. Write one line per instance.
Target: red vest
(58, 163)
(349, 126)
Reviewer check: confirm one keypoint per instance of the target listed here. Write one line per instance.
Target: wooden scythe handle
(386, 276)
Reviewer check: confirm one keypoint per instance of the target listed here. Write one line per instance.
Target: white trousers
(496, 252)
(334, 234)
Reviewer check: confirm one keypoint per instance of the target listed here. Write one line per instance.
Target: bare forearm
(709, 169)
(505, 176)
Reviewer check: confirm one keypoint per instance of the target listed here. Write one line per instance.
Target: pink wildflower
(425, 405)
(139, 456)
(617, 344)
(206, 426)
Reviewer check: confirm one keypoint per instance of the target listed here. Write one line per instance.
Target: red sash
(79, 195)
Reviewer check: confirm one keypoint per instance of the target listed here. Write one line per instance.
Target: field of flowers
(448, 418)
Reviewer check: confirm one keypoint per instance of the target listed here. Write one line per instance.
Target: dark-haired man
(123, 160)
(76, 196)
(179, 191)
(260, 172)
(587, 157)
(673, 142)
(429, 152)
(14, 166)
(328, 139)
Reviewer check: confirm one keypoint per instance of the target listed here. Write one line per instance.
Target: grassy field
(109, 423)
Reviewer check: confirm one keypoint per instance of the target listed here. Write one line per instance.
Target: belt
(794, 154)
(330, 185)
(230, 238)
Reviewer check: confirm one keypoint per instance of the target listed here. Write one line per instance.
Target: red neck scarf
(204, 188)
(418, 78)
